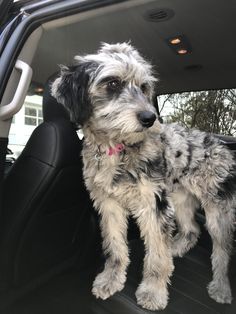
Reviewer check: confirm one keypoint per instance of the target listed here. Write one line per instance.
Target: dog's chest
(131, 181)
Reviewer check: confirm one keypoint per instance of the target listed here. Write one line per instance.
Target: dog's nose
(147, 118)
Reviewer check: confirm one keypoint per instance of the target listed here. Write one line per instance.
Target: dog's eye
(114, 84)
(144, 88)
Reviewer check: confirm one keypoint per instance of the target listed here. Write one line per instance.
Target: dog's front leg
(114, 233)
(152, 293)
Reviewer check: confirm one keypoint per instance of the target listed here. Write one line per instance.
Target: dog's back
(197, 159)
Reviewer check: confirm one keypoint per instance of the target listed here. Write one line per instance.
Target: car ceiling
(208, 25)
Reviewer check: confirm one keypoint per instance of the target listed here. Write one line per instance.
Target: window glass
(25, 121)
(211, 111)
(33, 114)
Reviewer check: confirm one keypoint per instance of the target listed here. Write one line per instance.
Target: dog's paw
(105, 285)
(150, 297)
(221, 293)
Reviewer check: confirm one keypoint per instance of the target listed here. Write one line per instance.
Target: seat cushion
(70, 292)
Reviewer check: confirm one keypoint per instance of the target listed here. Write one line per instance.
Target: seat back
(45, 204)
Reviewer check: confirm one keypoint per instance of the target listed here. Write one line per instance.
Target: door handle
(7, 111)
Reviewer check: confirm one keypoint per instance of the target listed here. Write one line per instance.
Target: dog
(156, 173)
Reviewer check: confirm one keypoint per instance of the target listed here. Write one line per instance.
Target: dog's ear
(71, 90)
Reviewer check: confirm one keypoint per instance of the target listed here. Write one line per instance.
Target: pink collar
(115, 150)
(110, 151)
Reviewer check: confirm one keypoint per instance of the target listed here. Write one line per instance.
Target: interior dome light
(38, 89)
(182, 51)
(175, 41)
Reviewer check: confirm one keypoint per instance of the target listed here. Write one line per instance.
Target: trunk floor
(70, 292)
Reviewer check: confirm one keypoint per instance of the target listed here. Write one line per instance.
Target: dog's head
(109, 92)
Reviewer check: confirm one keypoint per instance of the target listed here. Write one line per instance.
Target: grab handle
(7, 111)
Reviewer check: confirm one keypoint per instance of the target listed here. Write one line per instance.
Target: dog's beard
(117, 135)
(136, 137)
(129, 133)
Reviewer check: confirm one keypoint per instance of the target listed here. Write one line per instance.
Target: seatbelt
(155, 102)
(3, 151)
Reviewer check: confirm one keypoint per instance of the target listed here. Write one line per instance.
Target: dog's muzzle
(146, 118)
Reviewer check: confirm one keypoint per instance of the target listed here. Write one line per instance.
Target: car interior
(50, 244)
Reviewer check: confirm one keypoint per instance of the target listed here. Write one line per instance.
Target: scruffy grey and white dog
(135, 166)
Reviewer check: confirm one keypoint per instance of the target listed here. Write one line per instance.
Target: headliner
(209, 25)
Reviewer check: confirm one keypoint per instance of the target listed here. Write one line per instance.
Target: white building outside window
(24, 122)
(33, 114)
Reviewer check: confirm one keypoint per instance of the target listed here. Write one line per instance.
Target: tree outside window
(212, 111)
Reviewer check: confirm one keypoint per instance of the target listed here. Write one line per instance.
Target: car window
(24, 123)
(211, 111)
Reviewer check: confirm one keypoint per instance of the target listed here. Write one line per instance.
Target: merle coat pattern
(155, 173)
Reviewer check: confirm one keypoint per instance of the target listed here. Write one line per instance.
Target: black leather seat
(45, 204)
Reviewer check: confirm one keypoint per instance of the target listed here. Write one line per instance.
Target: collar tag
(80, 134)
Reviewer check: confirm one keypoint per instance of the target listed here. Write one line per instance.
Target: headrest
(52, 110)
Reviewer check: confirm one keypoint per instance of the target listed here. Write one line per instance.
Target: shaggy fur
(135, 166)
